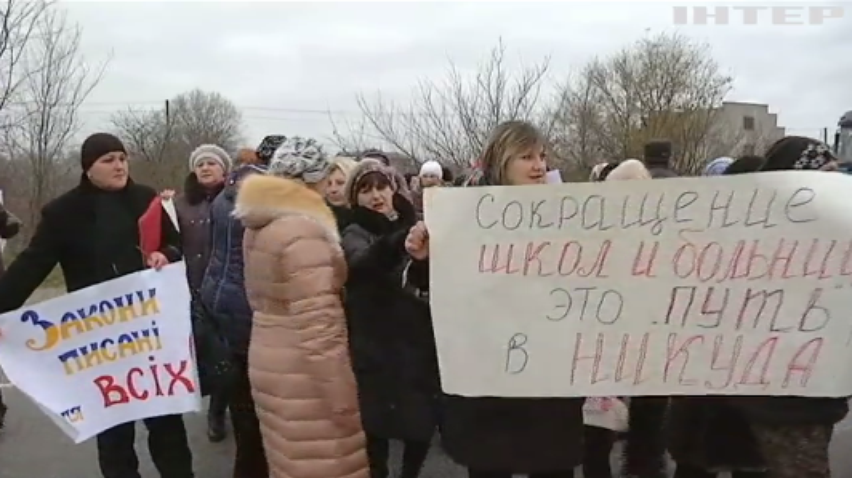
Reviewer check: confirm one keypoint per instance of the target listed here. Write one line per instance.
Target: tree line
(660, 86)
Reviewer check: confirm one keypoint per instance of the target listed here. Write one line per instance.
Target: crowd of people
(310, 307)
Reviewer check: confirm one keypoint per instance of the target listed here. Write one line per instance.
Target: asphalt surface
(32, 447)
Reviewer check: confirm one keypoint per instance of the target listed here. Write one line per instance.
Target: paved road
(31, 446)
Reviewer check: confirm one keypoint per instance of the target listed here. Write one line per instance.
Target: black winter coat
(69, 235)
(706, 432)
(518, 435)
(390, 329)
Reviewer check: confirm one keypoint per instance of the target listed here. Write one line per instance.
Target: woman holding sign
(390, 326)
(499, 437)
(92, 233)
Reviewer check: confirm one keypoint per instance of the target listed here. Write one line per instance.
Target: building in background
(746, 128)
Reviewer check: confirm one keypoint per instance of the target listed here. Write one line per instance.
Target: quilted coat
(301, 376)
(222, 290)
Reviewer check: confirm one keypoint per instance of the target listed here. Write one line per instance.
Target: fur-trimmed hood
(262, 199)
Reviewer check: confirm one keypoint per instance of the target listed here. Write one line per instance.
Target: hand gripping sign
(108, 354)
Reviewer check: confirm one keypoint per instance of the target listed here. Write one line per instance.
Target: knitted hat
(797, 153)
(431, 168)
(98, 145)
(300, 158)
(718, 166)
(211, 152)
(365, 167)
(268, 146)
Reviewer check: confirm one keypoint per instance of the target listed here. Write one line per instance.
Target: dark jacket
(223, 292)
(390, 329)
(9, 228)
(71, 233)
(342, 215)
(706, 432)
(519, 435)
(193, 213)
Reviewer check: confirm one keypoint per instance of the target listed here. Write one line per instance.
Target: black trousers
(686, 471)
(508, 474)
(413, 457)
(597, 451)
(250, 460)
(218, 405)
(167, 444)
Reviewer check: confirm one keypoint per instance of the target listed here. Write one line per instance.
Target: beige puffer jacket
(302, 381)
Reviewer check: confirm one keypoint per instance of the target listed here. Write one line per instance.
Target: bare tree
(58, 82)
(665, 86)
(18, 23)
(160, 141)
(450, 121)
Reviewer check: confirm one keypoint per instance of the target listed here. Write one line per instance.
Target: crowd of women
(309, 280)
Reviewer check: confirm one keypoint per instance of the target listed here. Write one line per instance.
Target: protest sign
(736, 285)
(108, 354)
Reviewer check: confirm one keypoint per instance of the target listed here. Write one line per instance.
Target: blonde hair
(344, 164)
(507, 141)
(629, 169)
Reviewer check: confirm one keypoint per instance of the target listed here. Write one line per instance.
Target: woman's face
(527, 167)
(377, 198)
(209, 173)
(334, 188)
(110, 171)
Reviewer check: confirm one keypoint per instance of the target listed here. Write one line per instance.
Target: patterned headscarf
(797, 153)
(300, 158)
(718, 166)
(268, 146)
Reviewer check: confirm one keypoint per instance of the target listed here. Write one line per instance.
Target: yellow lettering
(127, 348)
(51, 339)
(126, 313)
(108, 355)
(93, 322)
(71, 327)
(150, 306)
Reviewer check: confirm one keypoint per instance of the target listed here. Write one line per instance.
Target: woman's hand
(157, 261)
(417, 242)
(168, 194)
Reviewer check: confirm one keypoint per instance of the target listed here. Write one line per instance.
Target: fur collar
(262, 199)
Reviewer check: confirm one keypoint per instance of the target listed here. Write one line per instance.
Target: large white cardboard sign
(735, 285)
(109, 354)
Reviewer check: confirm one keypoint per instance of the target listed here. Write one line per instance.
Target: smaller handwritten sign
(109, 354)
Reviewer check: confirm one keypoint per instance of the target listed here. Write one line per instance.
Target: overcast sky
(284, 64)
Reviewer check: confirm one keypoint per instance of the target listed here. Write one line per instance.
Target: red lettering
(179, 377)
(115, 393)
(131, 384)
(782, 258)
(805, 367)
(596, 358)
(729, 367)
(563, 258)
(532, 257)
(647, 269)
(111, 393)
(709, 261)
(846, 262)
(678, 260)
(597, 267)
(674, 352)
(768, 346)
